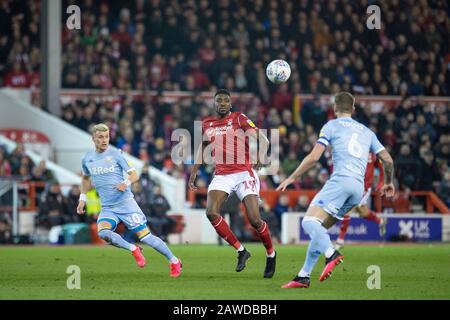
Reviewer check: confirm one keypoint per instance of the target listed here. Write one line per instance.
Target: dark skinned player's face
(222, 104)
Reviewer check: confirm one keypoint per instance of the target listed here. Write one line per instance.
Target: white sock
(132, 247)
(241, 248)
(329, 252)
(271, 255)
(174, 260)
(304, 274)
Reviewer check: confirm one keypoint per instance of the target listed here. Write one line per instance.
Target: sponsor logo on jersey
(101, 170)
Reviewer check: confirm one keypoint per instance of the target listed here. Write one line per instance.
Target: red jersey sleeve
(245, 123)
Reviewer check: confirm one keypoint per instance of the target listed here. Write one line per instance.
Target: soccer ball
(278, 71)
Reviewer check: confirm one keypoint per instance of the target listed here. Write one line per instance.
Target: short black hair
(222, 91)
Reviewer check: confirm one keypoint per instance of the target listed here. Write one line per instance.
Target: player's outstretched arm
(197, 164)
(84, 188)
(308, 162)
(388, 188)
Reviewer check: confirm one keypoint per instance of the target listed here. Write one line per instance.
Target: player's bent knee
(307, 224)
(106, 225)
(142, 232)
(105, 234)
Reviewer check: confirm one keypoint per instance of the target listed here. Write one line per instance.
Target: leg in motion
(262, 228)
(216, 198)
(144, 235)
(105, 229)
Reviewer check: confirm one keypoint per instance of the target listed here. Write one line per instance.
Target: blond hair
(344, 102)
(99, 127)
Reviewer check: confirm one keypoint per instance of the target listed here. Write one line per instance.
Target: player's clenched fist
(388, 190)
(80, 207)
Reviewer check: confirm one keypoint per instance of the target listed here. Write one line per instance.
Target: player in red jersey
(234, 172)
(362, 209)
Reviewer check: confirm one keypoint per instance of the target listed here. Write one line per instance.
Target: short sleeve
(123, 163)
(375, 145)
(85, 168)
(325, 135)
(245, 123)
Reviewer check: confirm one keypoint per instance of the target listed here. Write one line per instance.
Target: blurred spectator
(71, 203)
(444, 188)
(302, 204)
(271, 219)
(52, 209)
(147, 183)
(290, 163)
(429, 172)
(5, 229)
(407, 166)
(160, 223)
(5, 167)
(281, 207)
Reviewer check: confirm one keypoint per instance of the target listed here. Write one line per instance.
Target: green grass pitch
(419, 271)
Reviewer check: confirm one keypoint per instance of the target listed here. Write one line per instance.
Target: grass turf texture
(407, 272)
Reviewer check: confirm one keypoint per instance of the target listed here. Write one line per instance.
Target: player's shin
(159, 245)
(312, 256)
(115, 239)
(319, 234)
(224, 231)
(264, 235)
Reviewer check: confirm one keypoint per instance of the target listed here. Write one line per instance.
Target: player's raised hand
(191, 183)
(283, 185)
(80, 207)
(388, 190)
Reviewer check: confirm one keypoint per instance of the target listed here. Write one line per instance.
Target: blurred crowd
(199, 45)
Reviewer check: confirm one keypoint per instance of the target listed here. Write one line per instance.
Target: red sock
(264, 235)
(344, 227)
(224, 231)
(373, 217)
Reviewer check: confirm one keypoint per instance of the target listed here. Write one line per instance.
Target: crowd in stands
(199, 45)
(202, 45)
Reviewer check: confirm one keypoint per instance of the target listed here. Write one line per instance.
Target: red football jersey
(373, 163)
(230, 151)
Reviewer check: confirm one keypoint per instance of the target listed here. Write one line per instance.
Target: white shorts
(365, 197)
(242, 183)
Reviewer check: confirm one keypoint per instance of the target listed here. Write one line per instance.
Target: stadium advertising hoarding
(398, 228)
